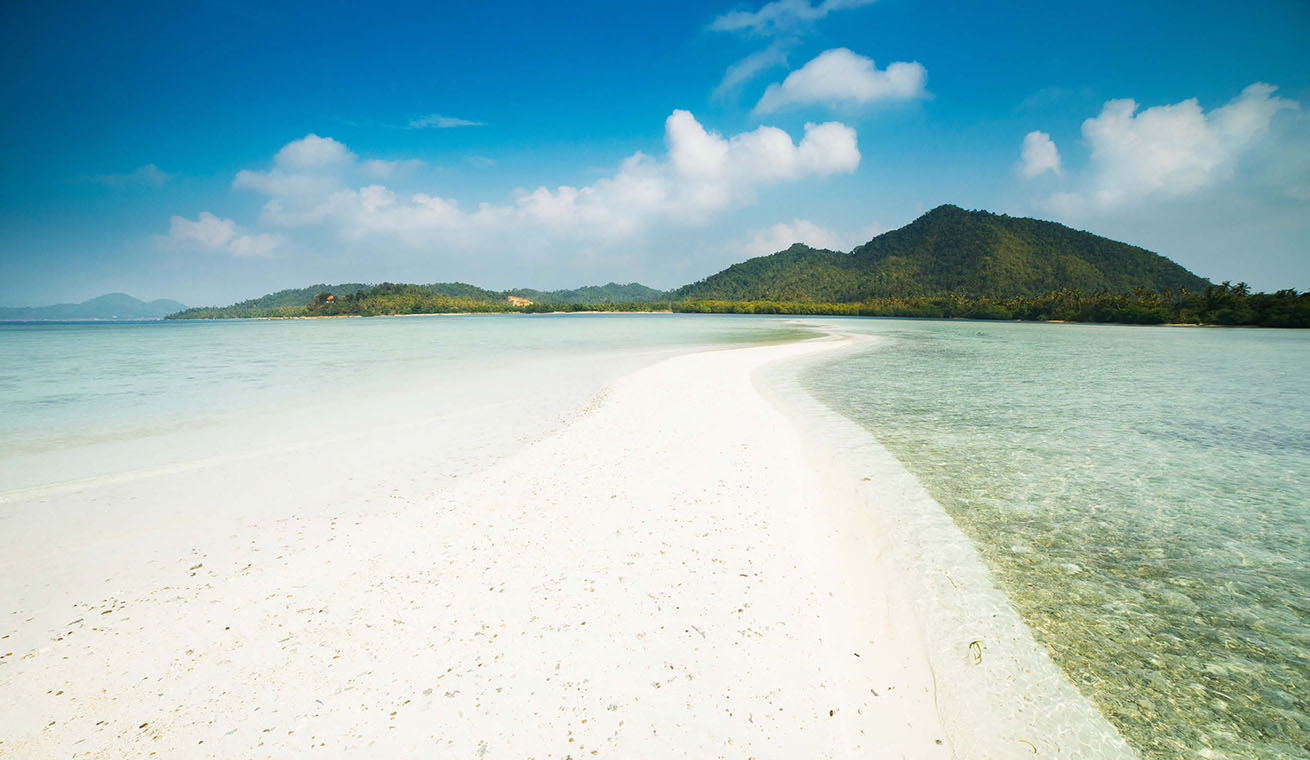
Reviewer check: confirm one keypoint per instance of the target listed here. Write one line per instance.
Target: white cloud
(310, 166)
(866, 233)
(1167, 151)
(253, 246)
(1039, 154)
(781, 236)
(214, 233)
(312, 152)
(786, 21)
(148, 175)
(208, 230)
(781, 16)
(442, 122)
(840, 76)
(378, 169)
(702, 174)
(654, 216)
(747, 68)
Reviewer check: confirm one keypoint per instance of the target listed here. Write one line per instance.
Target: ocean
(87, 400)
(1140, 495)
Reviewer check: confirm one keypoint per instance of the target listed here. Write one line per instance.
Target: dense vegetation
(973, 254)
(948, 263)
(594, 295)
(1216, 305)
(355, 299)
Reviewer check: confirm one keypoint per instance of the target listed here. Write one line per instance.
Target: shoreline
(998, 692)
(799, 315)
(682, 566)
(651, 577)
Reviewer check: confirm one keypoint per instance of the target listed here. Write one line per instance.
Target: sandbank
(660, 576)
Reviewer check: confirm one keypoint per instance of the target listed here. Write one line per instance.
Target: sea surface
(1141, 494)
(87, 400)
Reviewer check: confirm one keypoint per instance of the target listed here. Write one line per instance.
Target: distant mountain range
(108, 306)
(974, 254)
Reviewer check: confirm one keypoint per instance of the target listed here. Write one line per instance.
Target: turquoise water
(85, 400)
(1141, 494)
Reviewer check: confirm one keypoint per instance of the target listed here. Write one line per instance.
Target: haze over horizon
(220, 151)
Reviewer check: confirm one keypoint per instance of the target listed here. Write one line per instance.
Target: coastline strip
(999, 693)
(662, 576)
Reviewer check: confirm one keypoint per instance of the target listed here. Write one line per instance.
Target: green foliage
(947, 264)
(1224, 304)
(594, 295)
(284, 303)
(390, 298)
(975, 254)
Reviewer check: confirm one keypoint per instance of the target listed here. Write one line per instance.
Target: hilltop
(950, 251)
(948, 263)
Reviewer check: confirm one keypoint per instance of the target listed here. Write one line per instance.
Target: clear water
(1141, 494)
(87, 400)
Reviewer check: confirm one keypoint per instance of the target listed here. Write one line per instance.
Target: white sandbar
(665, 575)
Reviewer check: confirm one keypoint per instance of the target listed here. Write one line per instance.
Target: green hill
(592, 295)
(948, 263)
(393, 298)
(974, 254)
(108, 306)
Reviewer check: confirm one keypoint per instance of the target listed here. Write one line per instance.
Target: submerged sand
(664, 575)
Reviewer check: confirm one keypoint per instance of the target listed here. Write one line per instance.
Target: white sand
(663, 576)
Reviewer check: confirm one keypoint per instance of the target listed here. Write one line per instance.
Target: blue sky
(215, 151)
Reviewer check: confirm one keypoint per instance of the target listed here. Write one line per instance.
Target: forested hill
(591, 295)
(392, 298)
(974, 254)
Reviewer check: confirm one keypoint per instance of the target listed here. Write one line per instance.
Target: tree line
(1224, 304)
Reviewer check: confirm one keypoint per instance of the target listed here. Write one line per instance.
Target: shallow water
(87, 400)
(1141, 494)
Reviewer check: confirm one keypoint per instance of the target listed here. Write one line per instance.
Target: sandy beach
(660, 576)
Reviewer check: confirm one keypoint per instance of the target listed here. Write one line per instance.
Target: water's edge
(998, 692)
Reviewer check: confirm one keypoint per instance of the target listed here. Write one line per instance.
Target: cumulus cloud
(1167, 151)
(216, 234)
(309, 166)
(702, 174)
(781, 16)
(1038, 154)
(312, 152)
(208, 230)
(442, 122)
(147, 176)
(840, 76)
(786, 21)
